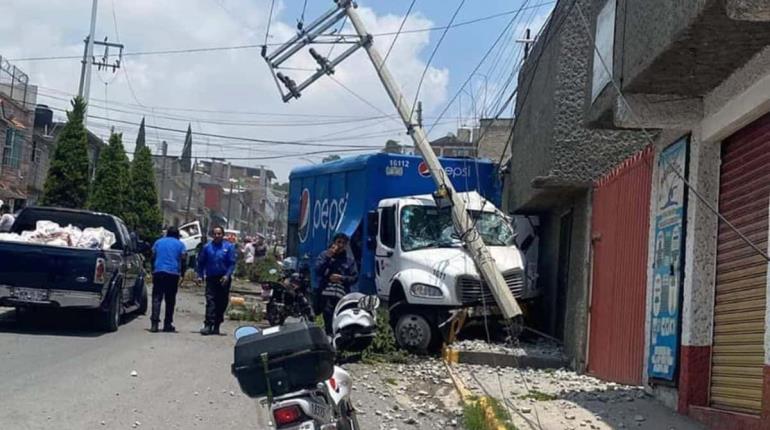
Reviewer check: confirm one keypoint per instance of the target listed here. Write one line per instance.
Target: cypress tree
(146, 215)
(110, 192)
(68, 176)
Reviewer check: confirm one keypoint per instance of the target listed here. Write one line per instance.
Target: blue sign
(670, 212)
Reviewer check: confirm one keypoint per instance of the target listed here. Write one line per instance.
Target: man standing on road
(337, 273)
(216, 264)
(168, 254)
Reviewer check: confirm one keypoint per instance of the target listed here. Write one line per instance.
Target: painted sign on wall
(670, 212)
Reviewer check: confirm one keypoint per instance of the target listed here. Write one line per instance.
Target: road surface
(58, 374)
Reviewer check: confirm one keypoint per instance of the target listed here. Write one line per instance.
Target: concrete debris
(134, 373)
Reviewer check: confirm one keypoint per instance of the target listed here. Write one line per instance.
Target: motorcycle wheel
(348, 419)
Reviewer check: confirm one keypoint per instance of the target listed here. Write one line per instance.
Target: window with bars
(12, 148)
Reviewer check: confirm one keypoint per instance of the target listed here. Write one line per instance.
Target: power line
(362, 99)
(398, 33)
(430, 59)
(259, 46)
(269, 20)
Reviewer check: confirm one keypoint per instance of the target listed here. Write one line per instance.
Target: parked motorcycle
(289, 296)
(292, 368)
(355, 322)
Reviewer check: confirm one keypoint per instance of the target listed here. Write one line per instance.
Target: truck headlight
(429, 291)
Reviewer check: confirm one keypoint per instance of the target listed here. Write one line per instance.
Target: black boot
(169, 328)
(207, 330)
(154, 327)
(215, 329)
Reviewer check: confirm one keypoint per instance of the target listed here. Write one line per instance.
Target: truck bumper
(43, 297)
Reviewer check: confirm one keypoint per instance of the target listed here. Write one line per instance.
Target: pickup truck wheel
(143, 300)
(413, 332)
(109, 320)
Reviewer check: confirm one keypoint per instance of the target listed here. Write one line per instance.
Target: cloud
(236, 80)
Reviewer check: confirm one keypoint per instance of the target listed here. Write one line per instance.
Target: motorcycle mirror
(246, 330)
(369, 303)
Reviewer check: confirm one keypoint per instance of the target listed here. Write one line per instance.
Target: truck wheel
(413, 332)
(143, 300)
(109, 320)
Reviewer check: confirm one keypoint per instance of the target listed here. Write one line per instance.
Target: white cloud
(236, 80)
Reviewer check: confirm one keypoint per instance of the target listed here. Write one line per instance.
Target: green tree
(145, 213)
(67, 181)
(110, 192)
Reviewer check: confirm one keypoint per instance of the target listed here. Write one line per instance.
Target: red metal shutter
(739, 311)
(620, 227)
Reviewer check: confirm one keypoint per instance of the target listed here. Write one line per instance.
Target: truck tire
(143, 300)
(109, 320)
(413, 332)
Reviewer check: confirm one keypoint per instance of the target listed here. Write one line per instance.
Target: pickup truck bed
(108, 281)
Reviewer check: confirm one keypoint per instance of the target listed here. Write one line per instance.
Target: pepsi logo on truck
(451, 171)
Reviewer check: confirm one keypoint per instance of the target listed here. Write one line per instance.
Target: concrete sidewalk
(561, 399)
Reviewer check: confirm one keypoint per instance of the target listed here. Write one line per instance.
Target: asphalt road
(55, 373)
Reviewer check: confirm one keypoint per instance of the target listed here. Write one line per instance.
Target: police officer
(216, 264)
(337, 273)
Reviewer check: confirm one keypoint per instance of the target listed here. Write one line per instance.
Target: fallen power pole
(445, 190)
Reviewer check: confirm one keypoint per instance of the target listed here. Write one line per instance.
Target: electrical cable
(430, 59)
(269, 20)
(398, 33)
(259, 46)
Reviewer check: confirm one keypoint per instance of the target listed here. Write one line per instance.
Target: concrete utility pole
(164, 151)
(445, 190)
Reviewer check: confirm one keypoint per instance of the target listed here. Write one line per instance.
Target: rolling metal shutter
(739, 312)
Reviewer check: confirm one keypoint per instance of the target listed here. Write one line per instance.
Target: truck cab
(423, 270)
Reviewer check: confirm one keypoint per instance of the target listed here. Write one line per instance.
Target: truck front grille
(474, 291)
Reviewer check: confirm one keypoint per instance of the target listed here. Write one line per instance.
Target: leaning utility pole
(445, 190)
(190, 191)
(164, 152)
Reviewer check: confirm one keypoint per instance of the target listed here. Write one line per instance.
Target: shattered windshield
(430, 227)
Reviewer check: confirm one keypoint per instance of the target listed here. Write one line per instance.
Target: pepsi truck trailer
(405, 246)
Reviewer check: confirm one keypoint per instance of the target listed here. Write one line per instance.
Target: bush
(383, 348)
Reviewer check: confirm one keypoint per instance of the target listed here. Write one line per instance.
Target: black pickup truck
(107, 282)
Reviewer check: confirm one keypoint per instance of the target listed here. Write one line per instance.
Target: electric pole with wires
(445, 190)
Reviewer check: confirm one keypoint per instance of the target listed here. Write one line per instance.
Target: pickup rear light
(99, 271)
(287, 415)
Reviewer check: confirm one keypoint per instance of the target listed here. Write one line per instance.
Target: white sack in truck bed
(51, 233)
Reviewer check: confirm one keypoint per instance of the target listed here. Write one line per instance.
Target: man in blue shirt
(168, 254)
(216, 264)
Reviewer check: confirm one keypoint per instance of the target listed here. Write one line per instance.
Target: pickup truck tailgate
(41, 266)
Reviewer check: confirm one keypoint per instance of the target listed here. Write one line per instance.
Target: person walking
(167, 257)
(216, 264)
(337, 273)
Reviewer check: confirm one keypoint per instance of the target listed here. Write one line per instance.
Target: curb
(495, 359)
(465, 395)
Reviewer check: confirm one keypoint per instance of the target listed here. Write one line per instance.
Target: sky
(231, 92)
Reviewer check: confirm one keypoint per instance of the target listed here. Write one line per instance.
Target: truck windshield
(430, 227)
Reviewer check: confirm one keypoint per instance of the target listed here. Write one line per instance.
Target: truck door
(385, 266)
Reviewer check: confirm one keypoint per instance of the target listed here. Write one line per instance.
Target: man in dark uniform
(216, 264)
(337, 273)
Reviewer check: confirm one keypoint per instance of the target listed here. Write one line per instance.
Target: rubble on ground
(540, 347)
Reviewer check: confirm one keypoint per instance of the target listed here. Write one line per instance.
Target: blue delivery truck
(405, 246)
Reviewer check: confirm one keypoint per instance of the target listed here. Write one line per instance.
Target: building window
(604, 52)
(12, 149)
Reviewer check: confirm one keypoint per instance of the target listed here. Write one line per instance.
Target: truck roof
(360, 162)
(472, 199)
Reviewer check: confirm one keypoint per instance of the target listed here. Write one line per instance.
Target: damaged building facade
(642, 148)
